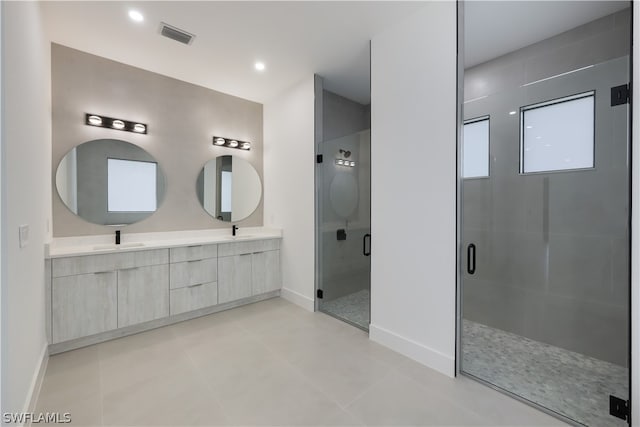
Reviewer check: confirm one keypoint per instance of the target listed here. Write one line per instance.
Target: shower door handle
(364, 245)
(471, 258)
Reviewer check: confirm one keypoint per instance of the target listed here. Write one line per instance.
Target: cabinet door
(143, 294)
(234, 278)
(83, 305)
(266, 272)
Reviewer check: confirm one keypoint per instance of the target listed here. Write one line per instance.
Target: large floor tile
(269, 363)
(178, 397)
(398, 400)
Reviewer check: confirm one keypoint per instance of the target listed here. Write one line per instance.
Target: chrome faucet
(234, 228)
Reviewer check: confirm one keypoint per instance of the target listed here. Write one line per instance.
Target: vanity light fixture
(231, 143)
(118, 124)
(342, 162)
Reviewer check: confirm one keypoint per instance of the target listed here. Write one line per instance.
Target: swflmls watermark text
(34, 418)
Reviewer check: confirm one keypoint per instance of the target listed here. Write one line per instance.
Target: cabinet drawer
(85, 264)
(193, 297)
(83, 305)
(239, 248)
(192, 253)
(193, 272)
(71, 266)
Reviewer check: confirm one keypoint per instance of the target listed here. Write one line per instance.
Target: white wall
(289, 186)
(26, 197)
(413, 220)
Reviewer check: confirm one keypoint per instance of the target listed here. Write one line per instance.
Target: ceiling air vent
(176, 34)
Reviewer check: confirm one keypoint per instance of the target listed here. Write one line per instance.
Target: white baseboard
(36, 382)
(413, 350)
(298, 299)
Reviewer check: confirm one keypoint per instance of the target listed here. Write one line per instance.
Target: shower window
(558, 135)
(476, 148)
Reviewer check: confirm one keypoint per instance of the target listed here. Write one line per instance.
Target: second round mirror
(229, 188)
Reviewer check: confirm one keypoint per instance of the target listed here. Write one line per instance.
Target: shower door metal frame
(459, 242)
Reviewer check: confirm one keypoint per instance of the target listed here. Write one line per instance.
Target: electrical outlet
(23, 232)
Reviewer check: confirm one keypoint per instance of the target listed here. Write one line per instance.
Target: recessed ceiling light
(259, 66)
(136, 16)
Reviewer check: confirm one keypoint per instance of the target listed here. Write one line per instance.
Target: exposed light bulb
(233, 143)
(246, 145)
(95, 120)
(219, 141)
(117, 124)
(259, 66)
(139, 127)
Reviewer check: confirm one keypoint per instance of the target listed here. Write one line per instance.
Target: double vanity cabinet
(96, 297)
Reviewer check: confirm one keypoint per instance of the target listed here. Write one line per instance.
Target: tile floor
(353, 308)
(269, 363)
(567, 382)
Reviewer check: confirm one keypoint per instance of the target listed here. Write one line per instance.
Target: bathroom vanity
(98, 291)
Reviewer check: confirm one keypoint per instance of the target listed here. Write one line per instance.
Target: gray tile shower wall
(552, 258)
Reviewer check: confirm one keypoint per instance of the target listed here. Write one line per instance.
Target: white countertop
(105, 243)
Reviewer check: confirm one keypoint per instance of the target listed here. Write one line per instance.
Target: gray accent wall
(182, 119)
(552, 248)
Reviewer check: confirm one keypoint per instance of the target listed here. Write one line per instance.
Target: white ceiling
(293, 39)
(494, 28)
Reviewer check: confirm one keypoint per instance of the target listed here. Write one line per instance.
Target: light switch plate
(23, 232)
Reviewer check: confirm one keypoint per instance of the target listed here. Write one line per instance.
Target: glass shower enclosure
(545, 205)
(344, 228)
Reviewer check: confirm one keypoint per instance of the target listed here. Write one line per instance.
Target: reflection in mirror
(110, 182)
(229, 188)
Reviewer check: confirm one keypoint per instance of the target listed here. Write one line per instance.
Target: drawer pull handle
(129, 268)
(196, 260)
(196, 285)
(194, 246)
(102, 272)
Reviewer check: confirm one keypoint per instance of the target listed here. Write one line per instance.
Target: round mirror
(229, 188)
(110, 182)
(343, 194)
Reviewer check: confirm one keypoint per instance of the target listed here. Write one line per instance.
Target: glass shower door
(545, 235)
(344, 235)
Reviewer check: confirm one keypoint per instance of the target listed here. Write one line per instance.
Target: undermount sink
(120, 246)
(244, 236)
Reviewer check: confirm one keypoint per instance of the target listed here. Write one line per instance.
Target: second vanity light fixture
(220, 141)
(118, 124)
